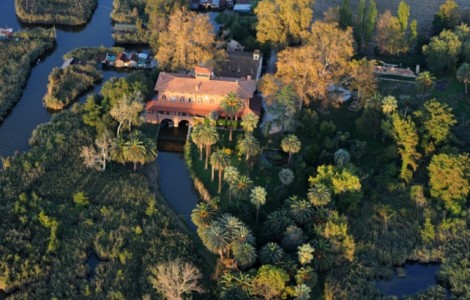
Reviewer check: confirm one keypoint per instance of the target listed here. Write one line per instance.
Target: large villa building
(183, 97)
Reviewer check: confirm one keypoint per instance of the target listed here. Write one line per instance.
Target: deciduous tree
(443, 52)
(390, 37)
(127, 110)
(449, 179)
(270, 282)
(187, 41)
(176, 279)
(407, 139)
(322, 61)
(283, 23)
(447, 17)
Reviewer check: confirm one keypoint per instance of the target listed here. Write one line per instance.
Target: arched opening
(166, 123)
(183, 123)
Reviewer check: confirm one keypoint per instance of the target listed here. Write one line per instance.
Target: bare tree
(96, 158)
(175, 279)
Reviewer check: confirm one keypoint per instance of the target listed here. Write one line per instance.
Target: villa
(183, 97)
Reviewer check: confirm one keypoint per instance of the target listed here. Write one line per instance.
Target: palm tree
(293, 237)
(215, 238)
(286, 176)
(324, 259)
(463, 75)
(302, 292)
(249, 122)
(291, 145)
(425, 82)
(300, 209)
(342, 158)
(319, 195)
(196, 138)
(277, 222)
(249, 146)
(305, 253)
(307, 276)
(243, 234)
(258, 198)
(139, 149)
(231, 175)
(232, 105)
(389, 105)
(271, 254)
(242, 187)
(219, 161)
(208, 136)
(244, 254)
(202, 214)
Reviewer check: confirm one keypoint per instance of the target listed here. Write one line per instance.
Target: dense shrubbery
(65, 85)
(55, 12)
(92, 54)
(17, 56)
(130, 12)
(57, 213)
(136, 37)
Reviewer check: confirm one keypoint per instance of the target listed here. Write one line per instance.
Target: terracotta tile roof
(202, 70)
(221, 86)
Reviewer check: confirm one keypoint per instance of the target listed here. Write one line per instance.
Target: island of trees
(18, 55)
(55, 12)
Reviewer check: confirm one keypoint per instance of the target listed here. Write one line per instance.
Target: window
(172, 98)
(190, 99)
(211, 100)
(164, 97)
(182, 99)
(199, 100)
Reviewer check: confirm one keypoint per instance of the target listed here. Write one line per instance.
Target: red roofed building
(181, 97)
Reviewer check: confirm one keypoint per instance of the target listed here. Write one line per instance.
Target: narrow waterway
(29, 111)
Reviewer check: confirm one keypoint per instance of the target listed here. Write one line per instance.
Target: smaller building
(233, 46)
(241, 64)
(6, 33)
(123, 28)
(242, 8)
(122, 60)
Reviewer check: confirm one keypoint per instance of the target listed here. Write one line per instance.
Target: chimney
(256, 55)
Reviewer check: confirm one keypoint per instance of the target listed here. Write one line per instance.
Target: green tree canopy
(449, 179)
(270, 281)
(443, 52)
(437, 120)
(463, 75)
(407, 139)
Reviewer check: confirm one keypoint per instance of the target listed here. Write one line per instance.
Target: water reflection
(418, 278)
